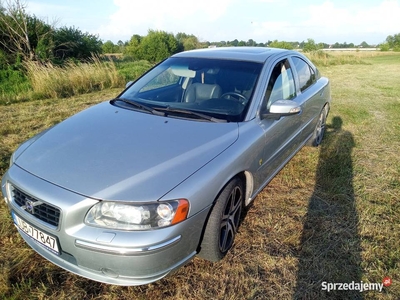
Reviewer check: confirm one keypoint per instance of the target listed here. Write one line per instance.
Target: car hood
(111, 153)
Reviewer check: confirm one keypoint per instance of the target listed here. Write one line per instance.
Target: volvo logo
(30, 205)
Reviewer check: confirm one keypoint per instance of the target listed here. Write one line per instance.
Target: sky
(330, 21)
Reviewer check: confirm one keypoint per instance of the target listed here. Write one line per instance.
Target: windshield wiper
(169, 110)
(140, 106)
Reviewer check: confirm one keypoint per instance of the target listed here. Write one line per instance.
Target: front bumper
(109, 256)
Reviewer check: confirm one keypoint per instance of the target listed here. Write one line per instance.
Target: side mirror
(128, 84)
(281, 108)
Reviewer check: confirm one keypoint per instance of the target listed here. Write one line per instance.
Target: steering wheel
(236, 96)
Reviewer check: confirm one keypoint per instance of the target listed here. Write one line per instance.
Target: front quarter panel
(202, 188)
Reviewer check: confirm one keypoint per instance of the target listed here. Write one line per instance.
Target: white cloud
(215, 20)
(271, 30)
(178, 15)
(384, 18)
(330, 21)
(266, 1)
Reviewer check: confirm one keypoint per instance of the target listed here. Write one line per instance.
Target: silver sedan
(132, 188)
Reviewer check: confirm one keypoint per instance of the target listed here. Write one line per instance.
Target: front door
(283, 136)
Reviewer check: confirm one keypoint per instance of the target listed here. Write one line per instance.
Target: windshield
(215, 87)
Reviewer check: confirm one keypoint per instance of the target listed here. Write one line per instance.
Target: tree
(121, 46)
(187, 41)
(70, 42)
(109, 47)
(154, 47)
(394, 41)
(191, 43)
(311, 46)
(234, 43)
(21, 34)
(133, 46)
(251, 42)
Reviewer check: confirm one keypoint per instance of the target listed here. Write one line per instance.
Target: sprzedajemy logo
(356, 286)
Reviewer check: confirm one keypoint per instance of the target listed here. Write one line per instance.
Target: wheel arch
(248, 183)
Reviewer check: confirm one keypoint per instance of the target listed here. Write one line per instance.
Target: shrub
(131, 70)
(14, 85)
(384, 47)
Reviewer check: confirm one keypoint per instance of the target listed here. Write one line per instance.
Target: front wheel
(223, 222)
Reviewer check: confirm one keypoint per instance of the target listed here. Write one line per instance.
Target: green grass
(332, 214)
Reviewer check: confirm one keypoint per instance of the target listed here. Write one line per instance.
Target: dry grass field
(331, 215)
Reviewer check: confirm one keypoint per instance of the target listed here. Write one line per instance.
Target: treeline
(185, 42)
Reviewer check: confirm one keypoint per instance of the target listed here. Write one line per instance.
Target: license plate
(37, 235)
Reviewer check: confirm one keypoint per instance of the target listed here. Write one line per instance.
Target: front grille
(43, 211)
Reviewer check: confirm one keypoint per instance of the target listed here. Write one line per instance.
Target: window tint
(281, 83)
(305, 72)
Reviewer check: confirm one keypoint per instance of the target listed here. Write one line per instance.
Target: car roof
(256, 54)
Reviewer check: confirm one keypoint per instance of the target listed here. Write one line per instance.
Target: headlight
(129, 216)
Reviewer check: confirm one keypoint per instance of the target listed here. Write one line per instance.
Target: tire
(223, 222)
(319, 130)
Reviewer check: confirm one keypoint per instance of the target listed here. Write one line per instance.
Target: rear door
(310, 94)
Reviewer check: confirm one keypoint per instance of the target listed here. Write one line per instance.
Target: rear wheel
(319, 130)
(223, 222)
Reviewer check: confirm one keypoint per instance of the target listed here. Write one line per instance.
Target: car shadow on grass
(330, 249)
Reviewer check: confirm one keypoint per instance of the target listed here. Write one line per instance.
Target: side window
(280, 84)
(306, 73)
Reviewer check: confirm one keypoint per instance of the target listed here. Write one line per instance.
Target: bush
(130, 70)
(384, 47)
(13, 85)
(281, 45)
